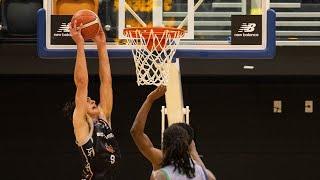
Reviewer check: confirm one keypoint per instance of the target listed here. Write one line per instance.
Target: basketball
(90, 23)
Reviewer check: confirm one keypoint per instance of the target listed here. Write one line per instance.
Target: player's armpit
(106, 99)
(81, 127)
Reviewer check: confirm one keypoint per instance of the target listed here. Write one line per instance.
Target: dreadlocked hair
(176, 150)
(189, 129)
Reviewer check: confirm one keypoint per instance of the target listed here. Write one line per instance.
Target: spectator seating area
(298, 21)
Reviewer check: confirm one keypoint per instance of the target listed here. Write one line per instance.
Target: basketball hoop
(152, 49)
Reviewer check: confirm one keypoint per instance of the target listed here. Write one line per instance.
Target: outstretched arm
(106, 98)
(81, 81)
(142, 141)
(195, 156)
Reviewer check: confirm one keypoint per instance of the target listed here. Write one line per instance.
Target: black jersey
(100, 154)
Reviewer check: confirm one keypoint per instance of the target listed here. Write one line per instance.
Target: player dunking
(162, 158)
(98, 147)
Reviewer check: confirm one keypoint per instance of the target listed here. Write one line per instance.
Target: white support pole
(123, 6)
(174, 97)
(186, 111)
(244, 7)
(175, 111)
(122, 18)
(164, 112)
(163, 121)
(192, 10)
(135, 15)
(157, 13)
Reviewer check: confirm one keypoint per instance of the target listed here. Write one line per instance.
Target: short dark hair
(68, 109)
(189, 129)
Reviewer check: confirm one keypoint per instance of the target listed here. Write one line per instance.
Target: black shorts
(109, 173)
(105, 177)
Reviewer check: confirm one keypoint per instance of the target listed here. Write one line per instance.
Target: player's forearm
(80, 70)
(195, 156)
(141, 118)
(210, 175)
(104, 65)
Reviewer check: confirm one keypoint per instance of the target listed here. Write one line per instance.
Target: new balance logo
(246, 30)
(63, 31)
(247, 27)
(63, 28)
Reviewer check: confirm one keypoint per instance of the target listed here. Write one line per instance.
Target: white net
(152, 49)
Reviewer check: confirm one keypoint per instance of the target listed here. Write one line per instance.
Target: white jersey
(175, 175)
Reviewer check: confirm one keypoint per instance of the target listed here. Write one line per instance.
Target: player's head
(175, 148)
(189, 129)
(68, 109)
(92, 108)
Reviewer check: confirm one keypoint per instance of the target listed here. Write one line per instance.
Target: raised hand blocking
(157, 93)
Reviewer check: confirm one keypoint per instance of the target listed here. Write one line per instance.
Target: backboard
(214, 29)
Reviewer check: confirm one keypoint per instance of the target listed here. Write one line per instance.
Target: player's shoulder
(158, 175)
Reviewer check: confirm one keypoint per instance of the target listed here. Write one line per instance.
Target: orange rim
(158, 31)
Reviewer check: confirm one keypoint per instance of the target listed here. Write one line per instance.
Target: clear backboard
(213, 28)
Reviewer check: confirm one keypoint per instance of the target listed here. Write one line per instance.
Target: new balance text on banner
(60, 34)
(246, 30)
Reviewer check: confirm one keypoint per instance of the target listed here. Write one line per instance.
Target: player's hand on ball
(157, 93)
(100, 38)
(76, 33)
